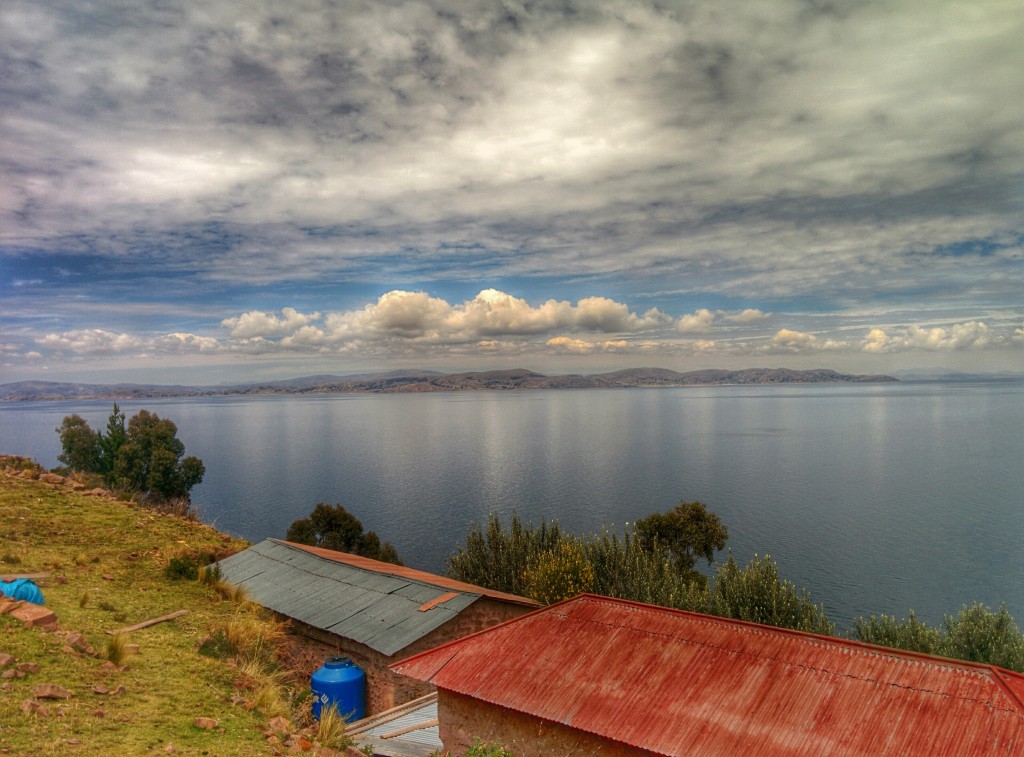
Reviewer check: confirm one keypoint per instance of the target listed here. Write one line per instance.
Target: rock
(51, 478)
(78, 642)
(120, 690)
(207, 724)
(50, 691)
(32, 707)
(8, 674)
(280, 724)
(108, 665)
(100, 689)
(6, 660)
(170, 749)
(28, 667)
(61, 579)
(34, 616)
(107, 577)
(74, 742)
(132, 648)
(99, 714)
(97, 492)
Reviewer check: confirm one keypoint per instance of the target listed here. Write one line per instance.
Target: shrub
(981, 635)
(334, 527)
(560, 573)
(757, 594)
(886, 631)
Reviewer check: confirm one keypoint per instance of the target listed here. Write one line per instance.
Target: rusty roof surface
(676, 683)
(384, 606)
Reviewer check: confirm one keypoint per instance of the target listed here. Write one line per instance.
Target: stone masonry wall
(310, 646)
(463, 720)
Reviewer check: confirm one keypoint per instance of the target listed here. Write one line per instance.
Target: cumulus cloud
(258, 323)
(746, 316)
(696, 323)
(959, 336)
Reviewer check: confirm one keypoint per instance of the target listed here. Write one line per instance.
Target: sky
(223, 191)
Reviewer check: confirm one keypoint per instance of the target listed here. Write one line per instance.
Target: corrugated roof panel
(383, 568)
(348, 597)
(673, 682)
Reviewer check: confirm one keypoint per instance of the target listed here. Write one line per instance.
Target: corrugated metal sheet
(401, 571)
(409, 730)
(364, 600)
(682, 683)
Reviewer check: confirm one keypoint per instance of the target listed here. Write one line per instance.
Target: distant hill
(431, 381)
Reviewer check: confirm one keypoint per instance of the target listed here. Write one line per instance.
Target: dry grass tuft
(330, 730)
(117, 648)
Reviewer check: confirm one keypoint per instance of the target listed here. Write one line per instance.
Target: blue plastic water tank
(341, 683)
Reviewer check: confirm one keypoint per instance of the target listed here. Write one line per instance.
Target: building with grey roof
(373, 612)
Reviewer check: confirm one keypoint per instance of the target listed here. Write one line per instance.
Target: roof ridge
(404, 572)
(990, 669)
(971, 666)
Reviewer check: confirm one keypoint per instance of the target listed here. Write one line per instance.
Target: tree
(334, 527)
(82, 447)
(142, 459)
(688, 531)
(111, 443)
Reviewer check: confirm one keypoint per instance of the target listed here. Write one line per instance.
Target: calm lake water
(877, 498)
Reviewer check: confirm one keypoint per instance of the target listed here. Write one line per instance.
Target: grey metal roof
(409, 730)
(379, 610)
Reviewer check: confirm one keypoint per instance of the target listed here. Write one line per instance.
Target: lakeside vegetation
(652, 561)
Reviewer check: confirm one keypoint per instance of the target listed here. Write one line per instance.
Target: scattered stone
(61, 579)
(99, 714)
(120, 690)
(69, 651)
(6, 660)
(28, 667)
(108, 665)
(51, 478)
(8, 674)
(170, 749)
(100, 689)
(279, 724)
(34, 616)
(74, 742)
(50, 691)
(132, 648)
(97, 492)
(78, 642)
(207, 724)
(20, 674)
(6, 687)
(107, 577)
(7, 604)
(32, 707)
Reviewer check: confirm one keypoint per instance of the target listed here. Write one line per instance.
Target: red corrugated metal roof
(683, 683)
(390, 569)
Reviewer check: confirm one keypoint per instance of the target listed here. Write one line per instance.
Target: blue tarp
(22, 588)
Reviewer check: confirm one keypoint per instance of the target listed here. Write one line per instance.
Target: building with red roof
(600, 676)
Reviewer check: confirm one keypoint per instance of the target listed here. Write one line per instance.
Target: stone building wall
(310, 646)
(463, 720)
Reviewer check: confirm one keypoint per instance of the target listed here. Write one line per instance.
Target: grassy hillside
(108, 562)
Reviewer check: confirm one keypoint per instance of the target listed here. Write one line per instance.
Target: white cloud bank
(495, 324)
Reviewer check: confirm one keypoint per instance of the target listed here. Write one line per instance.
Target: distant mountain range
(429, 381)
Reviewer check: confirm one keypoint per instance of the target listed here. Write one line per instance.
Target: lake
(878, 498)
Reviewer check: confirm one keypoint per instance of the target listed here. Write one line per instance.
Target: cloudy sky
(213, 191)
